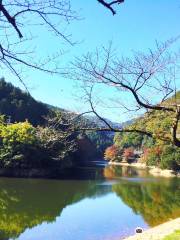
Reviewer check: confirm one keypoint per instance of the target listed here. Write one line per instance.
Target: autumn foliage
(146, 153)
(111, 153)
(128, 152)
(158, 150)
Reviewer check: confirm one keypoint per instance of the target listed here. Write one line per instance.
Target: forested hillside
(20, 106)
(157, 149)
(37, 135)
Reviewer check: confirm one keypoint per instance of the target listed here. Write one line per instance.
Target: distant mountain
(101, 124)
(19, 106)
(127, 123)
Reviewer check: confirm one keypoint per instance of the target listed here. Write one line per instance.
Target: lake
(94, 202)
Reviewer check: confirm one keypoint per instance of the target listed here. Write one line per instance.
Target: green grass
(173, 236)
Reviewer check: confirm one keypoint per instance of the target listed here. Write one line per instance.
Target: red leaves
(111, 153)
(128, 152)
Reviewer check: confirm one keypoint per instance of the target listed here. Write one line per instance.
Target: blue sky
(136, 26)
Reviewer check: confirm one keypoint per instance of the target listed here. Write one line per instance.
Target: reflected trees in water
(156, 202)
(27, 203)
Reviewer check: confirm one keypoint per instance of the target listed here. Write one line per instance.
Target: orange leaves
(128, 152)
(158, 150)
(111, 153)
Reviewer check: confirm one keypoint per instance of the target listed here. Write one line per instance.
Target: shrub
(111, 153)
(18, 145)
(16, 133)
(170, 158)
(166, 157)
(128, 152)
(24, 146)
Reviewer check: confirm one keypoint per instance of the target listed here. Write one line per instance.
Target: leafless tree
(57, 135)
(147, 79)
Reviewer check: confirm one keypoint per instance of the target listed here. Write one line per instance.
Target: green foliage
(152, 159)
(18, 145)
(13, 134)
(126, 140)
(158, 150)
(20, 105)
(165, 156)
(148, 142)
(170, 157)
(101, 140)
(160, 124)
(24, 146)
(173, 236)
(2, 119)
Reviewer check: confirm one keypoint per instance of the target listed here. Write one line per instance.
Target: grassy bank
(174, 236)
(165, 231)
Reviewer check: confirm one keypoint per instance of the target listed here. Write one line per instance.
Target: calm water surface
(95, 203)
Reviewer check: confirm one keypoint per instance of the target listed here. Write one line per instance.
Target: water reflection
(112, 172)
(157, 202)
(25, 204)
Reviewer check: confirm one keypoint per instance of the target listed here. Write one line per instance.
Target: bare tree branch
(23, 17)
(137, 77)
(110, 5)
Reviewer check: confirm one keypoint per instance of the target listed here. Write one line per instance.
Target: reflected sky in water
(102, 218)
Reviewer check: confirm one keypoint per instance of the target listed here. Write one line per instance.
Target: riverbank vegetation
(44, 138)
(34, 135)
(25, 146)
(173, 236)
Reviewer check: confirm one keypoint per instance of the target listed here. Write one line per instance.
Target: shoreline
(158, 232)
(154, 171)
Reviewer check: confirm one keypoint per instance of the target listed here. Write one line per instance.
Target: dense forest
(34, 135)
(157, 150)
